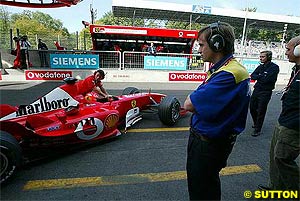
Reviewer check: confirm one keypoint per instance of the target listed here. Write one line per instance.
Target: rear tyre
(10, 156)
(169, 110)
(130, 90)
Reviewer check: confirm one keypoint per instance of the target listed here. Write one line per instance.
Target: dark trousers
(258, 107)
(24, 59)
(43, 58)
(284, 170)
(205, 159)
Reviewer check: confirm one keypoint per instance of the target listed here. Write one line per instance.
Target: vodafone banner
(198, 77)
(47, 75)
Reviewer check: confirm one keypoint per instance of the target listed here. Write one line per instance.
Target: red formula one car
(61, 118)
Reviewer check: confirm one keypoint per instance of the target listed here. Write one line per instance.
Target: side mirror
(70, 80)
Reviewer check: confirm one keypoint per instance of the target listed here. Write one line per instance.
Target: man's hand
(188, 105)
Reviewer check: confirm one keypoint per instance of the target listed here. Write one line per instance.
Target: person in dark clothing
(266, 76)
(24, 46)
(43, 53)
(216, 121)
(285, 145)
(152, 49)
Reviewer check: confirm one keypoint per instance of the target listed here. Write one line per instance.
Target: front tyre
(10, 156)
(169, 110)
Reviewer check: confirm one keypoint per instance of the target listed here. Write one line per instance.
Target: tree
(48, 21)
(109, 19)
(85, 41)
(4, 20)
(36, 24)
(4, 28)
(183, 25)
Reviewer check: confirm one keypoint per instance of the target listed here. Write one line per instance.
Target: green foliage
(109, 19)
(182, 25)
(4, 19)
(264, 35)
(47, 21)
(34, 25)
(177, 25)
(4, 25)
(86, 39)
(37, 22)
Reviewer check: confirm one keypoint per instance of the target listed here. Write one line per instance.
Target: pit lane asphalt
(132, 159)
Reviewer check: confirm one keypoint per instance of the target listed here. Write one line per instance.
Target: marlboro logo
(56, 99)
(42, 106)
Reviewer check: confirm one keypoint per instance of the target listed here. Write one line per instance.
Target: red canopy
(40, 3)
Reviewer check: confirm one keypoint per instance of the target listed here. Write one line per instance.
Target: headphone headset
(297, 49)
(216, 41)
(269, 55)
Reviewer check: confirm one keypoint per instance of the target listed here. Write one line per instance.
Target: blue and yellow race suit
(221, 102)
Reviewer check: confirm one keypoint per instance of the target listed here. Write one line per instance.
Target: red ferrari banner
(47, 75)
(198, 77)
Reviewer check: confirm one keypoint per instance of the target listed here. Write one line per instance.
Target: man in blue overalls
(219, 106)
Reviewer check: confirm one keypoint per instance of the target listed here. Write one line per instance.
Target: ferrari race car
(62, 118)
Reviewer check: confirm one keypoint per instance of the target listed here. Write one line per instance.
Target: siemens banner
(250, 65)
(82, 61)
(165, 63)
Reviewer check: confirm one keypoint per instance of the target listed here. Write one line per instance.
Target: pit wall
(12, 75)
(132, 69)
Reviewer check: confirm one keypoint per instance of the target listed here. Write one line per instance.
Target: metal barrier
(114, 59)
(133, 60)
(110, 59)
(107, 59)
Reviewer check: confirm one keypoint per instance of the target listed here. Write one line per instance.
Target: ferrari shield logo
(133, 103)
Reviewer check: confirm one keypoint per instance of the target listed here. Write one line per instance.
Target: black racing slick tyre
(10, 156)
(130, 90)
(169, 110)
